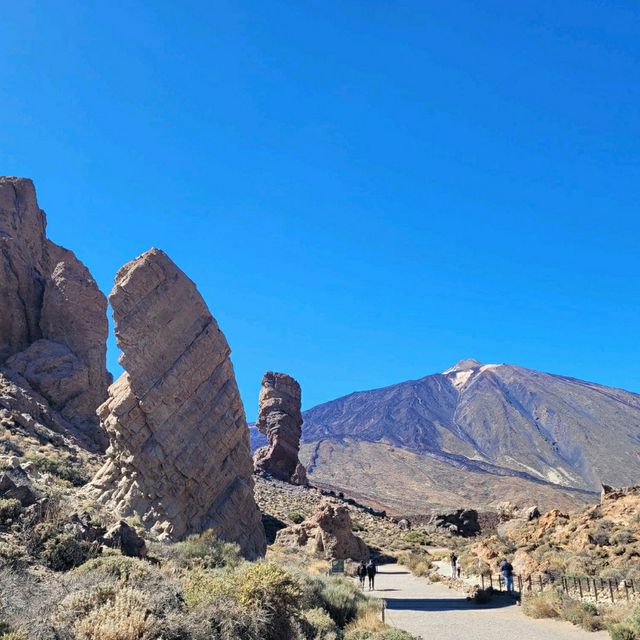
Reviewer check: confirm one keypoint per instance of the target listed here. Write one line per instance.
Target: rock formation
(179, 445)
(463, 522)
(328, 533)
(53, 325)
(280, 419)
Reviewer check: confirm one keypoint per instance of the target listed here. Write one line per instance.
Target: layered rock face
(280, 419)
(53, 325)
(328, 533)
(179, 445)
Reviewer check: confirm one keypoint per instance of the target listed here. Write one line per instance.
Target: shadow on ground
(445, 604)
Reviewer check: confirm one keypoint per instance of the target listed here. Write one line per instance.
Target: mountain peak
(464, 365)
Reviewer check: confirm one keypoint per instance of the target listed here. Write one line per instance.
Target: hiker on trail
(506, 569)
(454, 564)
(362, 573)
(371, 573)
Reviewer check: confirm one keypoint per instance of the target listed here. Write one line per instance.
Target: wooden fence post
(626, 590)
(540, 578)
(580, 587)
(383, 608)
(611, 591)
(482, 578)
(595, 589)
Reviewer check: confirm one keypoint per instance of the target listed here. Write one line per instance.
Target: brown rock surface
(328, 533)
(53, 325)
(179, 454)
(280, 419)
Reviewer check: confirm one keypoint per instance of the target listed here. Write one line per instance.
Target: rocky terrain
(53, 329)
(601, 540)
(179, 456)
(476, 434)
(280, 421)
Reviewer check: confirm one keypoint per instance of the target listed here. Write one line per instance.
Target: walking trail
(434, 611)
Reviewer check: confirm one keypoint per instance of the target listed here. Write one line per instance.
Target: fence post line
(611, 591)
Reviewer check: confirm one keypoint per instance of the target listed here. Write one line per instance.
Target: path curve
(434, 611)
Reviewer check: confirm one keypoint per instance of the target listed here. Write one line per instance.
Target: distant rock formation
(328, 533)
(179, 454)
(53, 324)
(463, 522)
(280, 419)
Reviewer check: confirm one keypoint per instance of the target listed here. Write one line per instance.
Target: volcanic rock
(53, 326)
(280, 419)
(328, 533)
(125, 538)
(179, 454)
(463, 522)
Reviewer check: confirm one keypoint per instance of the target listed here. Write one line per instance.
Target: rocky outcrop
(463, 522)
(53, 325)
(280, 419)
(179, 444)
(328, 533)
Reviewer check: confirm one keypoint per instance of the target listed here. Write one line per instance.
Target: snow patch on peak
(463, 365)
(465, 371)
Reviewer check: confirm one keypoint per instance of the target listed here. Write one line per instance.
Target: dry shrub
(541, 605)
(418, 562)
(318, 625)
(123, 617)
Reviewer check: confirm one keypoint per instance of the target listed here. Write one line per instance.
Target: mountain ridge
(500, 420)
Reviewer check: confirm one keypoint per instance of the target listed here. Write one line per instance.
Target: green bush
(207, 551)
(61, 468)
(622, 631)
(296, 517)
(64, 552)
(319, 625)
(416, 538)
(10, 509)
(341, 599)
(122, 568)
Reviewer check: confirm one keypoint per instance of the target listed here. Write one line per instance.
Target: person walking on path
(361, 571)
(371, 573)
(506, 569)
(453, 558)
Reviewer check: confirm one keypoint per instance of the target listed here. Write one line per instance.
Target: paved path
(435, 611)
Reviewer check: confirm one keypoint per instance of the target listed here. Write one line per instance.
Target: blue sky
(364, 192)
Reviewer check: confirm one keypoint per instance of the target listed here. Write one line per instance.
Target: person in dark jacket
(506, 569)
(362, 573)
(453, 559)
(371, 573)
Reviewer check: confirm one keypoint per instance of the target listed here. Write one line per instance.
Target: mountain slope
(510, 426)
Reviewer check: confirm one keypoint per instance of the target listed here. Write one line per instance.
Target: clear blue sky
(364, 192)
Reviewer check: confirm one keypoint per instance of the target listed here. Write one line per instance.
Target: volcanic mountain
(475, 435)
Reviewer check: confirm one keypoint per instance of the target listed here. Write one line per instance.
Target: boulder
(179, 444)
(53, 326)
(125, 538)
(463, 522)
(14, 488)
(328, 533)
(280, 420)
